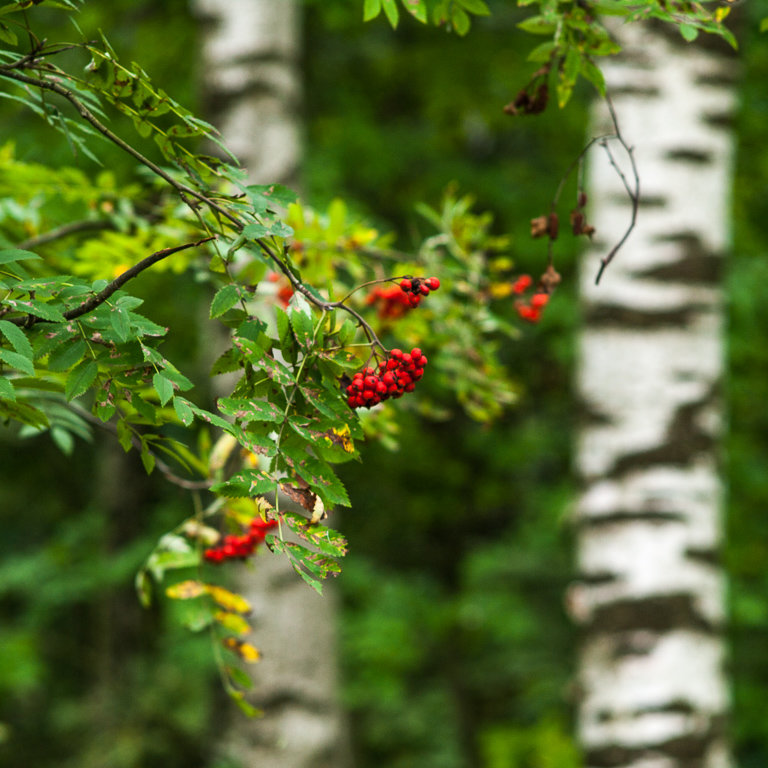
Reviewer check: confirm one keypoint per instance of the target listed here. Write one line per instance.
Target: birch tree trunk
(253, 88)
(651, 592)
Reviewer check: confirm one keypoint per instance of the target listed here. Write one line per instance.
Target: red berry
(539, 300)
(432, 283)
(396, 353)
(522, 284)
(415, 353)
(405, 285)
(424, 289)
(414, 299)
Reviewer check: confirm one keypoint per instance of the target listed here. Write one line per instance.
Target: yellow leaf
(245, 651)
(229, 601)
(341, 438)
(501, 290)
(186, 590)
(234, 622)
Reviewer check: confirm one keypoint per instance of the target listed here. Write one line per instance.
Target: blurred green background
(456, 650)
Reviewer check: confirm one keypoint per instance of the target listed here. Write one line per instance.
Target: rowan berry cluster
(235, 547)
(416, 287)
(395, 300)
(531, 310)
(393, 377)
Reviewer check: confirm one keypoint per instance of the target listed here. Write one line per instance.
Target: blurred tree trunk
(651, 599)
(253, 88)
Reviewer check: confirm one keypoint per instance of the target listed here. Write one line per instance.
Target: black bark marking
(724, 78)
(689, 155)
(647, 201)
(661, 613)
(723, 120)
(591, 416)
(608, 315)
(597, 578)
(709, 555)
(620, 517)
(687, 751)
(696, 265)
(635, 91)
(653, 201)
(678, 706)
(685, 439)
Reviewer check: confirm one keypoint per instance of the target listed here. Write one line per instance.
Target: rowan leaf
(224, 300)
(17, 338)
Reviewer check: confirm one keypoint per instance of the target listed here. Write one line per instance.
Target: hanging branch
(633, 190)
(548, 224)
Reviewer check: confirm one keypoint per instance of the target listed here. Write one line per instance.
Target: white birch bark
(253, 87)
(651, 593)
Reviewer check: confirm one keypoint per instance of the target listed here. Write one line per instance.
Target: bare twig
(633, 190)
(64, 231)
(166, 471)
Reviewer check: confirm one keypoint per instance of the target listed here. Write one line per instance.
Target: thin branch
(89, 117)
(632, 190)
(64, 231)
(99, 298)
(167, 472)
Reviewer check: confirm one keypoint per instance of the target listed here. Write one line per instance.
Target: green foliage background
(456, 650)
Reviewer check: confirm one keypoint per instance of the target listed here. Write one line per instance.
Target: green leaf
(121, 323)
(371, 9)
(7, 35)
(17, 338)
(567, 75)
(689, 32)
(594, 75)
(67, 355)
(417, 9)
(302, 324)
(7, 392)
(250, 410)
(147, 459)
(764, 25)
(256, 231)
(15, 360)
(224, 300)
(15, 254)
(42, 310)
(542, 52)
(460, 20)
(81, 379)
(478, 7)
(390, 9)
(610, 7)
(249, 482)
(143, 585)
(537, 25)
(163, 387)
(183, 411)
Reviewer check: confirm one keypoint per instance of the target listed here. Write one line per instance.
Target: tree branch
(64, 231)
(99, 298)
(89, 117)
(633, 191)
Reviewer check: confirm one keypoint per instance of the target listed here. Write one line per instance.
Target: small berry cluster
(284, 291)
(532, 310)
(240, 547)
(395, 300)
(392, 302)
(416, 287)
(394, 377)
